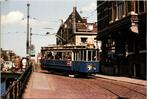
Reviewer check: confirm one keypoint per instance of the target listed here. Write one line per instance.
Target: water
(3, 88)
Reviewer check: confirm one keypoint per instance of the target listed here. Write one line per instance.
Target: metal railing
(16, 90)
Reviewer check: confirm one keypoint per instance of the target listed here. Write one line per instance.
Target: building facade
(76, 30)
(7, 55)
(122, 30)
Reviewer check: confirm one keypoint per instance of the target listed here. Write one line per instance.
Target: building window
(128, 7)
(120, 7)
(141, 6)
(83, 40)
(145, 4)
(114, 12)
(124, 8)
(136, 7)
(110, 15)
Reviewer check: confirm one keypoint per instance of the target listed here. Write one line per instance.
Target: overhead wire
(91, 13)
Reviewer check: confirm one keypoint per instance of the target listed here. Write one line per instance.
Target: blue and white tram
(73, 59)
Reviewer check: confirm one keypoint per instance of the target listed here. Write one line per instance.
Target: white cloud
(12, 17)
(17, 17)
(90, 7)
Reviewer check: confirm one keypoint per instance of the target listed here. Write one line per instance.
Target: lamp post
(27, 43)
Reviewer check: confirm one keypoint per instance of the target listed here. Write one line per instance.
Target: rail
(16, 90)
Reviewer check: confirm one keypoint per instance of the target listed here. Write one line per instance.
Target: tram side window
(74, 55)
(67, 55)
(50, 56)
(78, 56)
(58, 56)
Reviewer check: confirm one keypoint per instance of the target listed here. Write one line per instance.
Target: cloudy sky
(43, 14)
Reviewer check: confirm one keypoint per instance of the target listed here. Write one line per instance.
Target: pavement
(42, 85)
(124, 79)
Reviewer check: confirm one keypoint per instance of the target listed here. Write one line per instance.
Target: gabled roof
(75, 15)
(76, 23)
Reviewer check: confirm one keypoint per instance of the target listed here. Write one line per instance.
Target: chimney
(74, 8)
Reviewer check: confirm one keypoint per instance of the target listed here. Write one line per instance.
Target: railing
(16, 90)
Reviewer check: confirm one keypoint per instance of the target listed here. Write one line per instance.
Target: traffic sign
(32, 53)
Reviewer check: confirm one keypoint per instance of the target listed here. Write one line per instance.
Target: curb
(121, 80)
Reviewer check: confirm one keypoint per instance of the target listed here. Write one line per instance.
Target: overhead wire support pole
(1, 24)
(27, 43)
(0, 28)
(30, 40)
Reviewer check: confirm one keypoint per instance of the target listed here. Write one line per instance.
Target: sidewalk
(38, 86)
(124, 79)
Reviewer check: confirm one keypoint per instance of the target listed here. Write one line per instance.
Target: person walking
(24, 64)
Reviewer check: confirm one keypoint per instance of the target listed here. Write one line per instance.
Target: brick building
(76, 30)
(122, 30)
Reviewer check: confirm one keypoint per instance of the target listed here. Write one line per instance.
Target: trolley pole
(28, 17)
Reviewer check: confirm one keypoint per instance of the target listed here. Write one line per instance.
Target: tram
(70, 58)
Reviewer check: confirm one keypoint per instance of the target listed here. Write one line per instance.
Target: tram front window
(84, 55)
(94, 56)
(89, 55)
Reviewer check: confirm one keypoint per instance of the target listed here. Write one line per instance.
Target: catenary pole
(28, 17)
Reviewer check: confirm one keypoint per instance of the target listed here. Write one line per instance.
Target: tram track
(101, 82)
(95, 88)
(124, 84)
(117, 88)
(114, 88)
(98, 86)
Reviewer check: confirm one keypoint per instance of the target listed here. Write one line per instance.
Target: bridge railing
(16, 90)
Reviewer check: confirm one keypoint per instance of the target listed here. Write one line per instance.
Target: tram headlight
(89, 67)
(94, 68)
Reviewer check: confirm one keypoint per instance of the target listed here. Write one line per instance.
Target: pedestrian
(2, 63)
(24, 64)
(17, 63)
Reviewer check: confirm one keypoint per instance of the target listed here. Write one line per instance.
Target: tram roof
(65, 47)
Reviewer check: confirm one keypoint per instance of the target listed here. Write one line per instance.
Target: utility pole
(0, 29)
(1, 23)
(28, 17)
(30, 40)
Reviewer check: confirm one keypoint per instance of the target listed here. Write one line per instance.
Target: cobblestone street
(57, 86)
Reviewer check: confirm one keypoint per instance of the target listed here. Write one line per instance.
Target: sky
(43, 14)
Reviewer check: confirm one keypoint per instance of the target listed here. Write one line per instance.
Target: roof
(75, 21)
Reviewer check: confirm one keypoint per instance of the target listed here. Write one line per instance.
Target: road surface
(57, 86)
